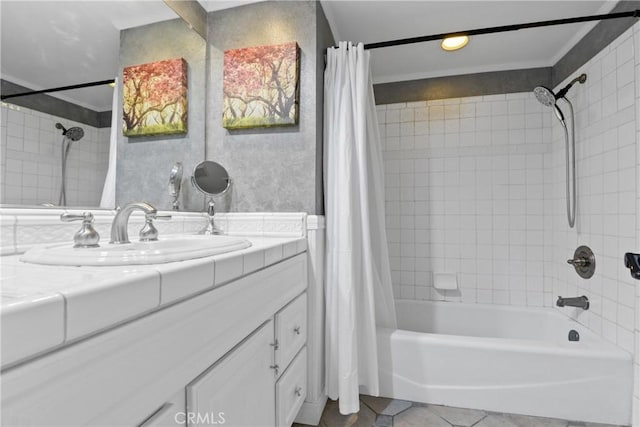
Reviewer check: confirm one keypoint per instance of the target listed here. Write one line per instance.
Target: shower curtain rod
(58, 89)
(502, 29)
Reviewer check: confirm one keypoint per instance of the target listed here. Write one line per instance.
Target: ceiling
(376, 21)
(47, 44)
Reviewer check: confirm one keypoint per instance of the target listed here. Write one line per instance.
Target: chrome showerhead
(73, 134)
(546, 97)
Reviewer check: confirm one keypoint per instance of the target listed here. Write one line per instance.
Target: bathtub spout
(580, 302)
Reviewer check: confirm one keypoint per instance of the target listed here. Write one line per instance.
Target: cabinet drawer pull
(275, 368)
(298, 391)
(275, 345)
(297, 330)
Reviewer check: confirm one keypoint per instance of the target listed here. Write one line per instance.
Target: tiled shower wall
(465, 193)
(608, 215)
(607, 190)
(31, 159)
(476, 187)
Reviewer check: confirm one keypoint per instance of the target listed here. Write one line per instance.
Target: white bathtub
(505, 359)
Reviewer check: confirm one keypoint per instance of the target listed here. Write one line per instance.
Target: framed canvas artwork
(155, 98)
(261, 86)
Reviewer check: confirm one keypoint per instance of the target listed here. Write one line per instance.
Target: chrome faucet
(119, 231)
(580, 302)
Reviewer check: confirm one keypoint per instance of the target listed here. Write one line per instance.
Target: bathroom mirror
(211, 178)
(51, 44)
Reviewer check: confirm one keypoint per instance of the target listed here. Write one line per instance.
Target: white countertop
(46, 307)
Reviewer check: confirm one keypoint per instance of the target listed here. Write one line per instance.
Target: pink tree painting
(261, 86)
(155, 98)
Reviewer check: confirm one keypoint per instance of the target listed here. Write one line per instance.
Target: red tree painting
(261, 86)
(155, 98)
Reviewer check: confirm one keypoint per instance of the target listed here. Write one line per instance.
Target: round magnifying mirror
(211, 178)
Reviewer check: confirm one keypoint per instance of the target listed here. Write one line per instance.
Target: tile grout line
(478, 422)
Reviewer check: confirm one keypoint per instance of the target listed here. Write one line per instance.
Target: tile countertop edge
(158, 283)
(22, 228)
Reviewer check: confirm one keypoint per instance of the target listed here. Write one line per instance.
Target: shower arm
(581, 78)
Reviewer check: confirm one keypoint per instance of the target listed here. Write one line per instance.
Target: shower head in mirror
(73, 134)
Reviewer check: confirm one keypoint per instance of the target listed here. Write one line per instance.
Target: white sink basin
(166, 249)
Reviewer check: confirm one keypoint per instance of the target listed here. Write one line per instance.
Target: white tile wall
(476, 187)
(465, 190)
(31, 159)
(607, 192)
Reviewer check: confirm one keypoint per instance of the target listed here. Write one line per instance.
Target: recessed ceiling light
(454, 43)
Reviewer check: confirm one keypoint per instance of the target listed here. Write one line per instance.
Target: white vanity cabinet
(239, 389)
(212, 355)
(258, 383)
(291, 359)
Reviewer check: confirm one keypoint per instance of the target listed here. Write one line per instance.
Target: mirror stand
(211, 226)
(211, 179)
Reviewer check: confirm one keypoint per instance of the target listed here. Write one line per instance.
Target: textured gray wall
(144, 163)
(488, 83)
(273, 169)
(325, 39)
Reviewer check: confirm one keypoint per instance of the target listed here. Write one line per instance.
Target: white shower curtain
(108, 199)
(359, 295)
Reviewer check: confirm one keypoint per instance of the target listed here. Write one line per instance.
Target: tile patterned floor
(383, 412)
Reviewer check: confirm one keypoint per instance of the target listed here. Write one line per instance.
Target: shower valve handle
(579, 262)
(584, 262)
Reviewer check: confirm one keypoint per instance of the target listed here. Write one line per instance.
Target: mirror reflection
(55, 147)
(51, 160)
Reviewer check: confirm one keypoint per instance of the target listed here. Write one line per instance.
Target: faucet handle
(149, 232)
(68, 217)
(156, 216)
(87, 236)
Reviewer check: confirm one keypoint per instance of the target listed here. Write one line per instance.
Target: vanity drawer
(291, 330)
(291, 390)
